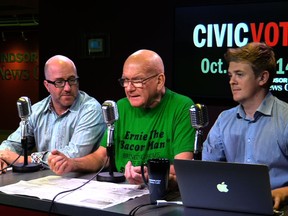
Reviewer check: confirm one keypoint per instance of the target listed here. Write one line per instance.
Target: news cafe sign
(19, 66)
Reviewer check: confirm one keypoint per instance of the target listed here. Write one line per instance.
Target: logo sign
(155, 181)
(222, 187)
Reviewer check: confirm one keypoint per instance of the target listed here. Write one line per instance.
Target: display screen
(203, 34)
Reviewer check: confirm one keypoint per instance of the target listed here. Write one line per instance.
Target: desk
(23, 205)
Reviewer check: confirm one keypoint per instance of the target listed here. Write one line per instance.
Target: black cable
(10, 165)
(136, 208)
(70, 190)
(158, 203)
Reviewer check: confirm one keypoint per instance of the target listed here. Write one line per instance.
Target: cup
(158, 176)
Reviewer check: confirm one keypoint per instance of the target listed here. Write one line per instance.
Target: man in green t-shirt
(154, 122)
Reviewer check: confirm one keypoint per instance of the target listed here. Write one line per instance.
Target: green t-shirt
(160, 132)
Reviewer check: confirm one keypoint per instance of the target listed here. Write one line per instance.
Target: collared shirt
(261, 140)
(76, 133)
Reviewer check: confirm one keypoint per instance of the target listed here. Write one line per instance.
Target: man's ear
(263, 78)
(161, 80)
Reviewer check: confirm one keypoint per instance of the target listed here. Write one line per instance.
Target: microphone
(24, 108)
(24, 111)
(199, 116)
(199, 120)
(110, 114)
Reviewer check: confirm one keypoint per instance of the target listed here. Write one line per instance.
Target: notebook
(224, 186)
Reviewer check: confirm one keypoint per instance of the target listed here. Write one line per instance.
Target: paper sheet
(94, 194)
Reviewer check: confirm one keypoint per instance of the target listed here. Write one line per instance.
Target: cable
(93, 177)
(136, 208)
(159, 203)
(10, 165)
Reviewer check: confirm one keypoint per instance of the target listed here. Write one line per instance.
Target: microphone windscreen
(24, 107)
(199, 116)
(110, 111)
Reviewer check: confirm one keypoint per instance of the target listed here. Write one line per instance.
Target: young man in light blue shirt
(255, 131)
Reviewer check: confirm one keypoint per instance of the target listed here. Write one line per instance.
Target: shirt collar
(265, 107)
(267, 104)
(74, 107)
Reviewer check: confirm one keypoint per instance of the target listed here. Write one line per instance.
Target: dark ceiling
(18, 7)
(19, 13)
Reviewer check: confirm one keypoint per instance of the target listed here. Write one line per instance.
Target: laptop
(224, 186)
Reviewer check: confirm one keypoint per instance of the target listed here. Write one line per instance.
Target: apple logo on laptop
(222, 187)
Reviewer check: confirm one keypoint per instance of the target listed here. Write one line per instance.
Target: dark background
(126, 26)
(131, 25)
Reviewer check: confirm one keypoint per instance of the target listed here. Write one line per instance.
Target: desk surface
(35, 204)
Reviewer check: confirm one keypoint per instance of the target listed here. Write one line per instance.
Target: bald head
(59, 63)
(149, 60)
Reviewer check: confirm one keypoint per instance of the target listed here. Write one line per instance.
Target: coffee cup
(158, 177)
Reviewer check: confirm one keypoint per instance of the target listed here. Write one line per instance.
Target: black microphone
(24, 111)
(199, 120)
(110, 114)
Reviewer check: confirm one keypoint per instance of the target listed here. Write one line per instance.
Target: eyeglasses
(62, 83)
(137, 83)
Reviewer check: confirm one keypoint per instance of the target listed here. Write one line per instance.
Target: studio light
(3, 37)
(23, 36)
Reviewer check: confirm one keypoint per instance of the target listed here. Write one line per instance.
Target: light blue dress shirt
(262, 140)
(76, 133)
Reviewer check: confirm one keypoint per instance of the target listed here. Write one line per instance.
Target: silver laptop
(224, 186)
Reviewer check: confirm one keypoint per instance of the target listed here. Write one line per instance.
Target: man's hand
(60, 163)
(8, 157)
(279, 195)
(133, 174)
(3, 166)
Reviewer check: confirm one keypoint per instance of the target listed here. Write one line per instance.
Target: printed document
(94, 194)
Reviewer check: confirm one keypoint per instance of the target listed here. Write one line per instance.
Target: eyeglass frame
(137, 81)
(56, 82)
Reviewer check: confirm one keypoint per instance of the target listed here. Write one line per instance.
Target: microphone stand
(110, 176)
(25, 167)
(198, 144)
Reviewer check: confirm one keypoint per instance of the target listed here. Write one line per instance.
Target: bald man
(153, 122)
(68, 120)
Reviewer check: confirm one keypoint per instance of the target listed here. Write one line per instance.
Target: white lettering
(204, 36)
